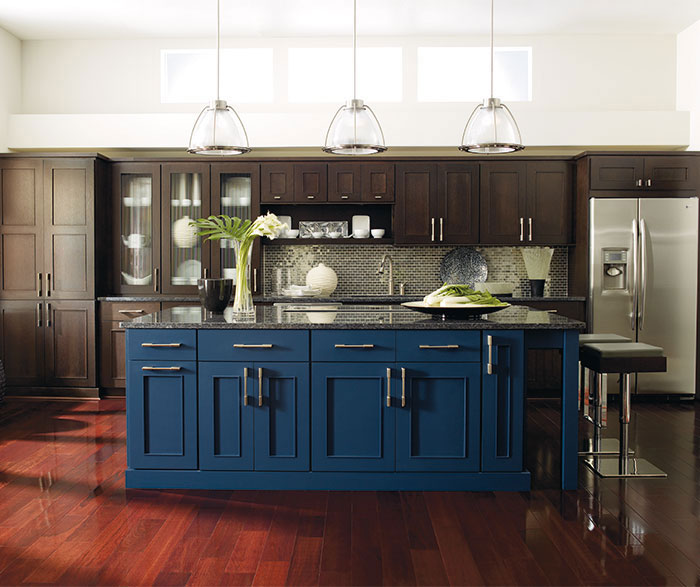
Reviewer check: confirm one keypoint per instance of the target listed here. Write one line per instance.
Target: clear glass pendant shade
(354, 130)
(491, 129)
(218, 131)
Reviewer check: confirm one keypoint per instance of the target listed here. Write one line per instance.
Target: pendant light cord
(218, 44)
(354, 49)
(491, 48)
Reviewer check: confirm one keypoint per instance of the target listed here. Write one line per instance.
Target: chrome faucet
(380, 271)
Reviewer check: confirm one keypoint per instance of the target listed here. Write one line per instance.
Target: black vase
(537, 288)
(215, 294)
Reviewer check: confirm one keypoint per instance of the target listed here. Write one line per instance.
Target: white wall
(587, 90)
(10, 82)
(688, 79)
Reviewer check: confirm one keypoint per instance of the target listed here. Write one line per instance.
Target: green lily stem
(242, 298)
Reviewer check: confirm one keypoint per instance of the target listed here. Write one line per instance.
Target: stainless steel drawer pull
(240, 345)
(442, 226)
(489, 365)
(639, 183)
(388, 387)
(131, 311)
(48, 285)
(432, 229)
(38, 314)
(260, 385)
(438, 346)
(276, 197)
(245, 386)
(648, 183)
(38, 285)
(310, 197)
(378, 197)
(160, 368)
(169, 345)
(522, 229)
(403, 387)
(354, 346)
(529, 229)
(344, 197)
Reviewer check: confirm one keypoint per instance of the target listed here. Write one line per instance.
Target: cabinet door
(352, 427)
(112, 355)
(185, 257)
(549, 196)
(22, 342)
(136, 201)
(161, 409)
(502, 202)
(310, 182)
(344, 182)
(416, 185)
(276, 183)
(21, 228)
(671, 173)
(502, 397)
(377, 182)
(458, 203)
(617, 172)
(282, 429)
(225, 416)
(438, 429)
(70, 344)
(69, 220)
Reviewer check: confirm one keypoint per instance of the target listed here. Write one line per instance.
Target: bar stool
(594, 403)
(623, 358)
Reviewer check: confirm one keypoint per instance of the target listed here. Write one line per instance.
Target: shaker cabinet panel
(549, 202)
(503, 195)
(310, 182)
(22, 342)
(416, 190)
(112, 355)
(458, 203)
(344, 182)
(653, 172)
(671, 173)
(617, 173)
(276, 183)
(377, 182)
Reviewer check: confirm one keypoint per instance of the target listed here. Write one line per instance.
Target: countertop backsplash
(416, 266)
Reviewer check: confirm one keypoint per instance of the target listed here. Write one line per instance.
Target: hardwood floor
(65, 517)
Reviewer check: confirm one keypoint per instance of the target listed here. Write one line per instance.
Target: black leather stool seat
(623, 357)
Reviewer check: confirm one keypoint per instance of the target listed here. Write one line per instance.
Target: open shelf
(329, 241)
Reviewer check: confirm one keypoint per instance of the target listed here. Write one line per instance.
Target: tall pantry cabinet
(49, 253)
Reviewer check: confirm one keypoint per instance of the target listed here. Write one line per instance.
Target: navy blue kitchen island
(357, 399)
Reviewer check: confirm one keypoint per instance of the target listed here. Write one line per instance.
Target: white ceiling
(142, 19)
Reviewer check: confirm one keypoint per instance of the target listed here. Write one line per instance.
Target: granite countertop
(367, 317)
(361, 299)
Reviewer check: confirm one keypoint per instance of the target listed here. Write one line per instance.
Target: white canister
(322, 278)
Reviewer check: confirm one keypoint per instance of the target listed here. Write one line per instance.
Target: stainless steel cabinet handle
(38, 314)
(171, 345)
(260, 384)
(441, 229)
(38, 285)
(403, 387)
(240, 345)
(432, 229)
(635, 275)
(255, 280)
(344, 197)
(354, 346)
(136, 311)
(48, 285)
(156, 276)
(161, 368)
(48, 315)
(276, 197)
(489, 365)
(378, 197)
(642, 271)
(438, 346)
(388, 387)
(648, 183)
(206, 273)
(639, 183)
(522, 229)
(245, 386)
(310, 197)
(529, 229)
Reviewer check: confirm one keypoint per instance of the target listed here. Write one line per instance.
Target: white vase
(322, 278)
(184, 235)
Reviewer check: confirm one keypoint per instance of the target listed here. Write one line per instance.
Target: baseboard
(112, 392)
(54, 393)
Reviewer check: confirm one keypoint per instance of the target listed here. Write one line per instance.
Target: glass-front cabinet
(137, 235)
(235, 192)
(157, 251)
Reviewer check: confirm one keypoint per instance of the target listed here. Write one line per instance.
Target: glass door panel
(236, 201)
(136, 239)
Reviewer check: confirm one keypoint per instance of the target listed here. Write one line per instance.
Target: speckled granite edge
(340, 299)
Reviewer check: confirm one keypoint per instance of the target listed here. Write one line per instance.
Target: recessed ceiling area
(140, 19)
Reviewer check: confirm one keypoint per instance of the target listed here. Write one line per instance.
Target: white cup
(377, 232)
(291, 233)
(135, 241)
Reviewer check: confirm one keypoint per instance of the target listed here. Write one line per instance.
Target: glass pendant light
(491, 128)
(218, 129)
(354, 129)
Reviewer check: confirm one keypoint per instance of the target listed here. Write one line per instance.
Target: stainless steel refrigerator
(643, 281)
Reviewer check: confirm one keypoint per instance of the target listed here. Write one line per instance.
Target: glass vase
(243, 308)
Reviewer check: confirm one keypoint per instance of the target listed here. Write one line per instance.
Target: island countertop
(364, 317)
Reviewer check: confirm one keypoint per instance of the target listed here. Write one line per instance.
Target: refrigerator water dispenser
(614, 269)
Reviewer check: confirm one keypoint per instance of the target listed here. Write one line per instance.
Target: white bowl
(334, 234)
(317, 234)
(377, 232)
(360, 233)
(291, 233)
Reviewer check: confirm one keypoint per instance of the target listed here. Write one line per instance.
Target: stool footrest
(621, 467)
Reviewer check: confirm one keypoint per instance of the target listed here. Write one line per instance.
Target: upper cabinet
(157, 251)
(360, 182)
(437, 203)
(526, 202)
(657, 172)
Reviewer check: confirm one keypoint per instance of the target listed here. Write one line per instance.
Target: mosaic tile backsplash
(418, 267)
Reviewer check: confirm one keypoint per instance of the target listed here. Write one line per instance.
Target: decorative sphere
(184, 235)
(322, 278)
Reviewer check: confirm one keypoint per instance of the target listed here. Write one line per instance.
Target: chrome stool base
(606, 446)
(622, 467)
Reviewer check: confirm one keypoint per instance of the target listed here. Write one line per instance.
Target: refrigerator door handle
(643, 271)
(635, 275)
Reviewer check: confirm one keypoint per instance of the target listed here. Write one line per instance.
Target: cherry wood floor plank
(272, 573)
(365, 549)
(397, 564)
(305, 564)
(335, 556)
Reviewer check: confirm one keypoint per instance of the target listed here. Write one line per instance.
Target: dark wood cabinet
(377, 182)
(654, 172)
(344, 182)
(526, 203)
(458, 203)
(276, 183)
(22, 342)
(416, 187)
(310, 182)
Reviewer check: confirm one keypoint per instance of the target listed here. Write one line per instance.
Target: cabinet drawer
(253, 345)
(125, 311)
(353, 345)
(163, 344)
(436, 346)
